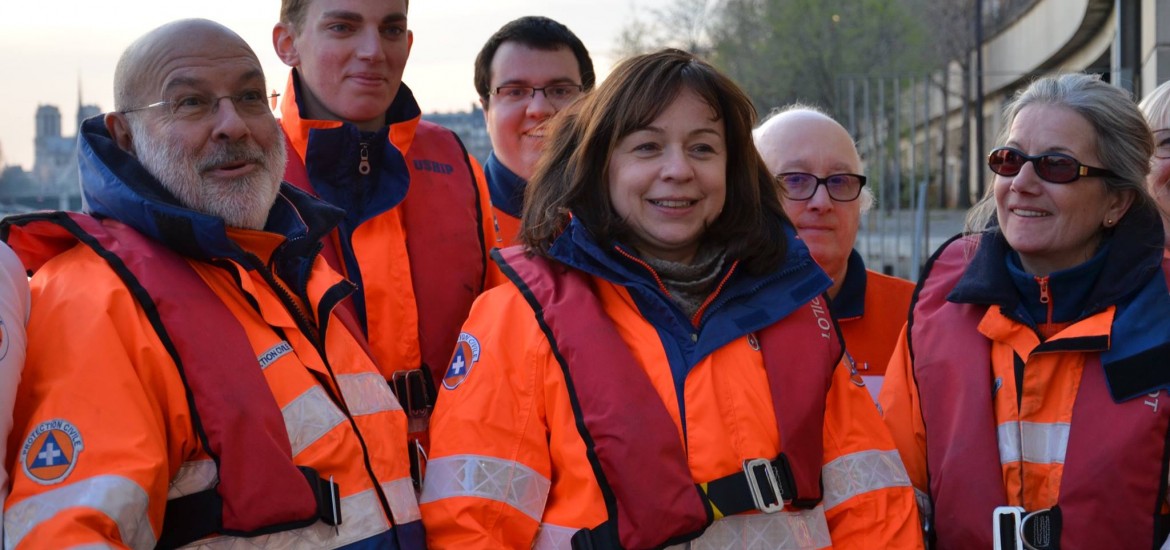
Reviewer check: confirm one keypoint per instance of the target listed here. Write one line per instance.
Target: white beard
(241, 202)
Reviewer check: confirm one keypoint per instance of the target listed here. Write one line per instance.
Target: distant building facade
(470, 127)
(53, 182)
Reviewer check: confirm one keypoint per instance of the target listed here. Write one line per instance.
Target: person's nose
(1027, 180)
(821, 201)
(540, 107)
(369, 45)
(229, 123)
(676, 166)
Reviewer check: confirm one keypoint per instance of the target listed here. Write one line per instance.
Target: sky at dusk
(50, 49)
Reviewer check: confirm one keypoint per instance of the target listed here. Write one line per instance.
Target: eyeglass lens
(1162, 143)
(841, 187)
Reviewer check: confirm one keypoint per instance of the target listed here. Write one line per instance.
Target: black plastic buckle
(327, 493)
(1016, 529)
(414, 390)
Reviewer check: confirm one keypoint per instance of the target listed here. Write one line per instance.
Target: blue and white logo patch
(50, 451)
(465, 356)
(269, 357)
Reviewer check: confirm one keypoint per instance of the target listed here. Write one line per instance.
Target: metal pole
(979, 146)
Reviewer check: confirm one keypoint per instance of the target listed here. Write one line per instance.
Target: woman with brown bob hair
(663, 367)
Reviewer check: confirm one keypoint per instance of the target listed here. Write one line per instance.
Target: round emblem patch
(466, 354)
(50, 451)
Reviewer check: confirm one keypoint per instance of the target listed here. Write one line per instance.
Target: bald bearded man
(190, 378)
(816, 163)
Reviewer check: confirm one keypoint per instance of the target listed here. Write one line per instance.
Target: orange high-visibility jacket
(508, 465)
(507, 190)
(104, 434)
(1087, 401)
(871, 309)
(410, 176)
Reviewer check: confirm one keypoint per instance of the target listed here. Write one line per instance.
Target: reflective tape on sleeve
(553, 537)
(308, 417)
(193, 477)
(787, 530)
(118, 498)
(858, 473)
(367, 393)
(361, 515)
(403, 501)
(487, 477)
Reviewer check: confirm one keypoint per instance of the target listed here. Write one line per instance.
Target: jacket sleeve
(491, 239)
(89, 455)
(902, 413)
(868, 499)
(14, 309)
(489, 472)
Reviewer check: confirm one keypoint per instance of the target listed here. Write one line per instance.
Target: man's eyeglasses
(557, 94)
(1051, 167)
(1162, 143)
(200, 106)
(799, 186)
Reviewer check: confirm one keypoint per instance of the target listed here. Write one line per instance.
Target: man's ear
(284, 42)
(119, 129)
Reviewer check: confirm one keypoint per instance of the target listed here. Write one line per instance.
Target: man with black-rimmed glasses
(528, 71)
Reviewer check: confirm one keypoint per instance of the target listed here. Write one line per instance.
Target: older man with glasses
(190, 373)
(818, 168)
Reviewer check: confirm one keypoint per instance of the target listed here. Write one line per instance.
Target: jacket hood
(115, 185)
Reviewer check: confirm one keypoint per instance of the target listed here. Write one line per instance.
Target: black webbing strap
(763, 485)
(198, 515)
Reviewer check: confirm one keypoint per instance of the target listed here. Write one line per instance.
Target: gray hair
(1124, 141)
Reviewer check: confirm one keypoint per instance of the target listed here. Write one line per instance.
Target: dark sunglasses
(1051, 167)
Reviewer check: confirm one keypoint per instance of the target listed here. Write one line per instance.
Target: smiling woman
(659, 304)
(1033, 399)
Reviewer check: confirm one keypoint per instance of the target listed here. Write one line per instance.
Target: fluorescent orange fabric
(1051, 381)
(511, 415)
(380, 245)
(870, 339)
(96, 362)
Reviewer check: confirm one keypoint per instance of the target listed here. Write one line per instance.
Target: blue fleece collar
(506, 188)
(115, 185)
(850, 300)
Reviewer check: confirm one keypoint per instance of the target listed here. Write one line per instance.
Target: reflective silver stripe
(367, 393)
(403, 501)
(194, 476)
(925, 509)
(361, 518)
(853, 474)
(487, 477)
(308, 417)
(119, 498)
(553, 537)
(788, 530)
(1034, 442)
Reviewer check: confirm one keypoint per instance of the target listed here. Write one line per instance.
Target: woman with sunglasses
(1156, 107)
(663, 366)
(1027, 396)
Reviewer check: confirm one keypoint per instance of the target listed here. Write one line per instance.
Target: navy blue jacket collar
(506, 188)
(850, 300)
(1134, 258)
(115, 185)
(747, 302)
